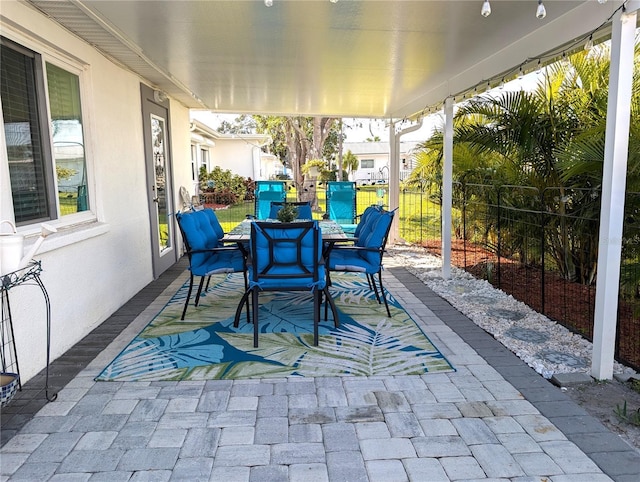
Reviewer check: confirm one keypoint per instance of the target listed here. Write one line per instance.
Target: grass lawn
(419, 217)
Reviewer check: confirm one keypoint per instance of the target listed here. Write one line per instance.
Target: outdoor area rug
(206, 346)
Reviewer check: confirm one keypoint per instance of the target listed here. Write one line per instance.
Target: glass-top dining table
(331, 232)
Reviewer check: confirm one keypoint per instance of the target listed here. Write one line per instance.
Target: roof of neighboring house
(199, 128)
(364, 148)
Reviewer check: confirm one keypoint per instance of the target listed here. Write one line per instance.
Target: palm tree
(350, 162)
(550, 139)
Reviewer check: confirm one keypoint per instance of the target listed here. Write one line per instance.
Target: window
(204, 153)
(366, 163)
(194, 162)
(45, 147)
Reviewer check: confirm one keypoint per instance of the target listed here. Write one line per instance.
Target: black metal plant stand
(8, 355)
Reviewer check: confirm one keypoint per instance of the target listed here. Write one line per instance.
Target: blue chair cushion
(304, 210)
(366, 217)
(288, 262)
(351, 259)
(366, 255)
(376, 231)
(207, 257)
(376, 236)
(215, 224)
(198, 230)
(227, 260)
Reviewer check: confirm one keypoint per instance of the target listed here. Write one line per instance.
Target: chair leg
(382, 293)
(372, 285)
(334, 308)
(244, 300)
(371, 282)
(316, 315)
(254, 297)
(199, 290)
(246, 288)
(206, 288)
(186, 302)
(326, 308)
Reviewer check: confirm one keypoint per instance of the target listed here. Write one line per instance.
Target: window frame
(205, 156)
(43, 55)
(372, 161)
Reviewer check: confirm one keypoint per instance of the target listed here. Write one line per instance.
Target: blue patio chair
(365, 256)
(304, 209)
(267, 192)
(286, 257)
(369, 214)
(207, 255)
(341, 204)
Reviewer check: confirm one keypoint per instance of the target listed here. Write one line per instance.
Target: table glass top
(328, 227)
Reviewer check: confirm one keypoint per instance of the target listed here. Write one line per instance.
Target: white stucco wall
(235, 155)
(94, 267)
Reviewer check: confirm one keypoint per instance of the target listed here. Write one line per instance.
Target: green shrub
(226, 187)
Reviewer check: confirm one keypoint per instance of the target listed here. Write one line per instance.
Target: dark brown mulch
(215, 206)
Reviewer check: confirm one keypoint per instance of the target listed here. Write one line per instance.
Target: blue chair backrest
(286, 255)
(367, 217)
(376, 236)
(215, 224)
(304, 210)
(198, 235)
(267, 192)
(341, 201)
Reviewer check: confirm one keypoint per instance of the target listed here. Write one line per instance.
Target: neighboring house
(242, 154)
(374, 160)
(102, 159)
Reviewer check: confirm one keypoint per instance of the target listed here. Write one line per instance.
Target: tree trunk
(313, 150)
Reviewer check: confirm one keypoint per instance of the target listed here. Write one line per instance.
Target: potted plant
(8, 387)
(288, 213)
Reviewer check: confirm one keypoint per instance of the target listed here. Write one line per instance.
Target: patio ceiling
(388, 59)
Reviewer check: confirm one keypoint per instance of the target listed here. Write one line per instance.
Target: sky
(356, 130)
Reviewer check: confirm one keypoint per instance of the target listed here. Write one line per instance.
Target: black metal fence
(541, 246)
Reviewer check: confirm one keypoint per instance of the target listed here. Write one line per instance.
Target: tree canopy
(550, 139)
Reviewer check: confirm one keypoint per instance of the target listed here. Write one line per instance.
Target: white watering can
(12, 257)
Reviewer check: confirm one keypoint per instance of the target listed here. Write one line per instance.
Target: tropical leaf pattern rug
(205, 345)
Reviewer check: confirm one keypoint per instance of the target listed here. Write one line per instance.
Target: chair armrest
(357, 248)
(214, 250)
(347, 239)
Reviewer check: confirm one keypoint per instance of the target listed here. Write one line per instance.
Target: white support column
(447, 188)
(394, 174)
(613, 194)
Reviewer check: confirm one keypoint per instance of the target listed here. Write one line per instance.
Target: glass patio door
(155, 117)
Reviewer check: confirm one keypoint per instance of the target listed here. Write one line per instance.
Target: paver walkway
(493, 419)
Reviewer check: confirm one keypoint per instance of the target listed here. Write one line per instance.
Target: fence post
(498, 226)
(542, 245)
(464, 223)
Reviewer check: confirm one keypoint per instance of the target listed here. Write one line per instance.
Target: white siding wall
(365, 175)
(92, 269)
(234, 155)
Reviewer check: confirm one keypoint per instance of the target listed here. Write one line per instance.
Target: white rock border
(466, 293)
